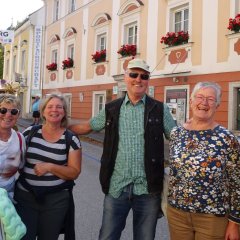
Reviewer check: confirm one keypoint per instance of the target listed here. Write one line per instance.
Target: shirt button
(153, 160)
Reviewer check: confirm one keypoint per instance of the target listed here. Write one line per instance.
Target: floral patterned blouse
(205, 172)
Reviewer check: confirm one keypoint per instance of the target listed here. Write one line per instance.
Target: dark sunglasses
(143, 76)
(13, 111)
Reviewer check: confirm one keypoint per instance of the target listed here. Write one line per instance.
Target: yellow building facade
(87, 45)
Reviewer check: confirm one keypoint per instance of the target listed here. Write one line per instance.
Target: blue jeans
(145, 214)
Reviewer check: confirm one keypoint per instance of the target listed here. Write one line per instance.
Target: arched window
(129, 14)
(69, 32)
(129, 6)
(54, 39)
(100, 19)
(101, 27)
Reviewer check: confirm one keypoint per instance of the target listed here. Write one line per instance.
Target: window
(99, 99)
(71, 6)
(54, 56)
(101, 41)
(237, 7)
(70, 51)
(131, 33)
(23, 60)
(100, 102)
(181, 18)
(56, 10)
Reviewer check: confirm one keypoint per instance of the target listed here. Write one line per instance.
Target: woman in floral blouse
(204, 188)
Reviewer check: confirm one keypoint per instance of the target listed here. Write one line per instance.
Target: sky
(17, 10)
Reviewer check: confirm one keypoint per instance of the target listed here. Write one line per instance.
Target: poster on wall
(181, 111)
(173, 110)
(176, 99)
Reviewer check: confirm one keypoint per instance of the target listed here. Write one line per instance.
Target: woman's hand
(41, 169)
(232, 231)
(67, 172)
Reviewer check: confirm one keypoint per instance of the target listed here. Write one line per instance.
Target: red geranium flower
(127, 50)
(52, 66)
(99, 56)
(175, 38)
(67, 63)
(234, 23)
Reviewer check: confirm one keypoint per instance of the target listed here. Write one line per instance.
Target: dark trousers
(43, 219)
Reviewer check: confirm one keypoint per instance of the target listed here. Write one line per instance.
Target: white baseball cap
(138, 63)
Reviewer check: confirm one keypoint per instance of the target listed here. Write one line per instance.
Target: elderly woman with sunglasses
(204, 188)
(11, 142)
(11, 146)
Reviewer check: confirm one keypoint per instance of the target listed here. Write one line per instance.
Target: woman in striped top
(53, 161)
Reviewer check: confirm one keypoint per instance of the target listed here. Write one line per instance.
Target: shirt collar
(127, 100)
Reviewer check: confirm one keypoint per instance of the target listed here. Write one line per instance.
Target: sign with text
(37, 57)
(6, 36)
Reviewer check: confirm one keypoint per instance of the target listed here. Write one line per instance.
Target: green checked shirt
(129, 166)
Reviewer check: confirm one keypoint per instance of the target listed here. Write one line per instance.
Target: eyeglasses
(210, 100)
(13, 111)
(143, 76)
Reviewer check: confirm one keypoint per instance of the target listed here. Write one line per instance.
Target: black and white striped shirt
(40, 150)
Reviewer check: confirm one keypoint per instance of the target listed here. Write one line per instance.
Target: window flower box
(128, 50)
(67, 63)
(99, 56)
(234, 23)
(52, 66)
(175, 38)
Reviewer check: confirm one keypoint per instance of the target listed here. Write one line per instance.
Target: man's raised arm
(81, 128)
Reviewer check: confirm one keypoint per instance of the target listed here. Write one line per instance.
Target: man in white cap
(132, 164)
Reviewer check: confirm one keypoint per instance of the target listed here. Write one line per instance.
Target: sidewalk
(94, 137)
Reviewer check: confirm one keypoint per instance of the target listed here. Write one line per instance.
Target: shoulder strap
(31, 133)
(20, 140)
(21, 148)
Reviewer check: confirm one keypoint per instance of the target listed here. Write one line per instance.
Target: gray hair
(214, 86)
(10, 99)
(44, 103)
